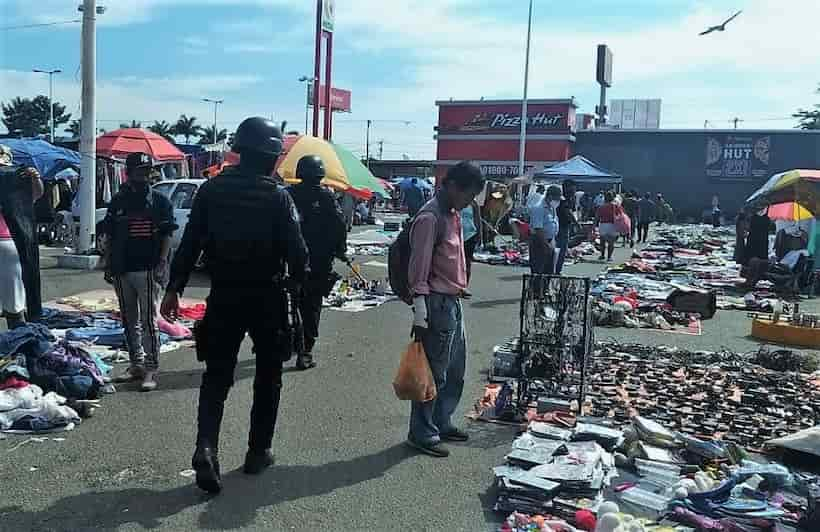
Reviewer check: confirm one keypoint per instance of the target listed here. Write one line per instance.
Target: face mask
(555, 203)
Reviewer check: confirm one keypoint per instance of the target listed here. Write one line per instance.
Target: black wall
(674, 163)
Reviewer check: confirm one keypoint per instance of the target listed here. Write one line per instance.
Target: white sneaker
(149, 383)
(133, 373)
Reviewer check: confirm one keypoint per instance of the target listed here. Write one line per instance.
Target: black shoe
(455, 435)
(256, 462)
(305, 361)
(432, 449)
(206, 465)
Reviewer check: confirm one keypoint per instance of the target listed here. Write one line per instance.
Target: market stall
(630, 437)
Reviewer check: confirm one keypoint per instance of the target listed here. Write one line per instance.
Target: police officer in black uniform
(323, 227)
(248, 228)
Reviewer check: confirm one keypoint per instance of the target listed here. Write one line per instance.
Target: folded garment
(175, 331)
(196, 312)
(112, 337)
(28, 339)
(68, 370)
(64, 319)
(25, 397)
(13, 382)
(50, 407)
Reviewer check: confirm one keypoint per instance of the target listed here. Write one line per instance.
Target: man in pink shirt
(438, 278)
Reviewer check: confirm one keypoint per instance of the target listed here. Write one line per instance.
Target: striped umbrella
(343, 170)
(798, 186)
(790, 212)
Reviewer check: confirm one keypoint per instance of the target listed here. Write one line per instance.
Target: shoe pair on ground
(208, 475)
(137, 373)
(437, 449)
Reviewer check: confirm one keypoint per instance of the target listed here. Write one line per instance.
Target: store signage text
(538, 120)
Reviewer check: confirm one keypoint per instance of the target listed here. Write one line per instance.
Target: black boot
(305, 361)
(257, 461)
(206, 464)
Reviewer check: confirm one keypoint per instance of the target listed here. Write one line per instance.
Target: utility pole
(381, 149)
(216, 104)
(305, 80)
(736, 120)
(50, 98)
(705, 124)
(524, 120)
(367, 144)
(88, 134)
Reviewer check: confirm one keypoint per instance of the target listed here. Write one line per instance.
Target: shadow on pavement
(243, 496)
(492, 303)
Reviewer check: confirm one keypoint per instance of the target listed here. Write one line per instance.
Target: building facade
(690, 166)
(488, 133)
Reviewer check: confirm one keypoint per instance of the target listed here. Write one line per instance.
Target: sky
(157, 59)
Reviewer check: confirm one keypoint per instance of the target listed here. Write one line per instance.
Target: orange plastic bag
(414, 378)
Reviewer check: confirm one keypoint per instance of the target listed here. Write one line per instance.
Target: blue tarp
(48, 159)
(579, 169)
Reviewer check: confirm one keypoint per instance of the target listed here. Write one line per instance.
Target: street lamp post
(307, 81)
(50, 98)
(216, 104)
(522, 147)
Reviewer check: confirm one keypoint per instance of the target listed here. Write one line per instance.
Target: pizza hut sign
(511, 122)
(537, 121)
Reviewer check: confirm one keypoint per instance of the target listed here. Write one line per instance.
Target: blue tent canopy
(581, 170)
(48, 159)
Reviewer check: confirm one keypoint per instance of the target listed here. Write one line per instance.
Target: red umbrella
(119, 143)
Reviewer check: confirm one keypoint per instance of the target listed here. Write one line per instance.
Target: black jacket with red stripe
(136, 222)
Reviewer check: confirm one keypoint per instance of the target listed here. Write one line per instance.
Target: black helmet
(310, 169)
(258, 134)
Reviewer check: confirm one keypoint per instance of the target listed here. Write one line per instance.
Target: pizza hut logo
(537, 120)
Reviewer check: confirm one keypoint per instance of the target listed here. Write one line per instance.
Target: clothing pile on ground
(354, 295)
(680, 426)
(45, 383)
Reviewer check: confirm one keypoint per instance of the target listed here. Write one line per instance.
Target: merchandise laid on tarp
(53, 372)
(683, 276)
(623, 437)
(92, 320)
(354, 293)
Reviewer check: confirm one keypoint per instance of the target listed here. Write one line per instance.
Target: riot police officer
(248, 228)
(323, 227)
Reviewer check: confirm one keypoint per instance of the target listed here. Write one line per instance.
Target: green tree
(31, 116)
(187, 127)
(207, 135)
(133, 124)
(809, 119)
(163, 129)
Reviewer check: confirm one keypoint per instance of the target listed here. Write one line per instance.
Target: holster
(200, 340)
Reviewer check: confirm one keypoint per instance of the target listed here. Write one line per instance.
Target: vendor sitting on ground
(790, 245)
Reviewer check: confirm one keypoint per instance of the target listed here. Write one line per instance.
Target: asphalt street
(341, 462)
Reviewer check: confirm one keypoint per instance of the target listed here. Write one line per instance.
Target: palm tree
(163, 129)
(133, 124)
(187, 127)
(207, 135)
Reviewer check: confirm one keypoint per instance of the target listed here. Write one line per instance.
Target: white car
(181, 192)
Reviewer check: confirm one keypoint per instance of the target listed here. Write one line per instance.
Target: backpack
(398, 259)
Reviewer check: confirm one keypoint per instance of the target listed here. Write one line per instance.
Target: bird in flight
(721, 27)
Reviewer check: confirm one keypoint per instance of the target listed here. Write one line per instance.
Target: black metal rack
(556, 338)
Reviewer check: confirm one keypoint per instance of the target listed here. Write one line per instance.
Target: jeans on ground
(445, 345)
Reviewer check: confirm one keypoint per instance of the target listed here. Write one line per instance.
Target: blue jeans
(446, 348)
(562, 243)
